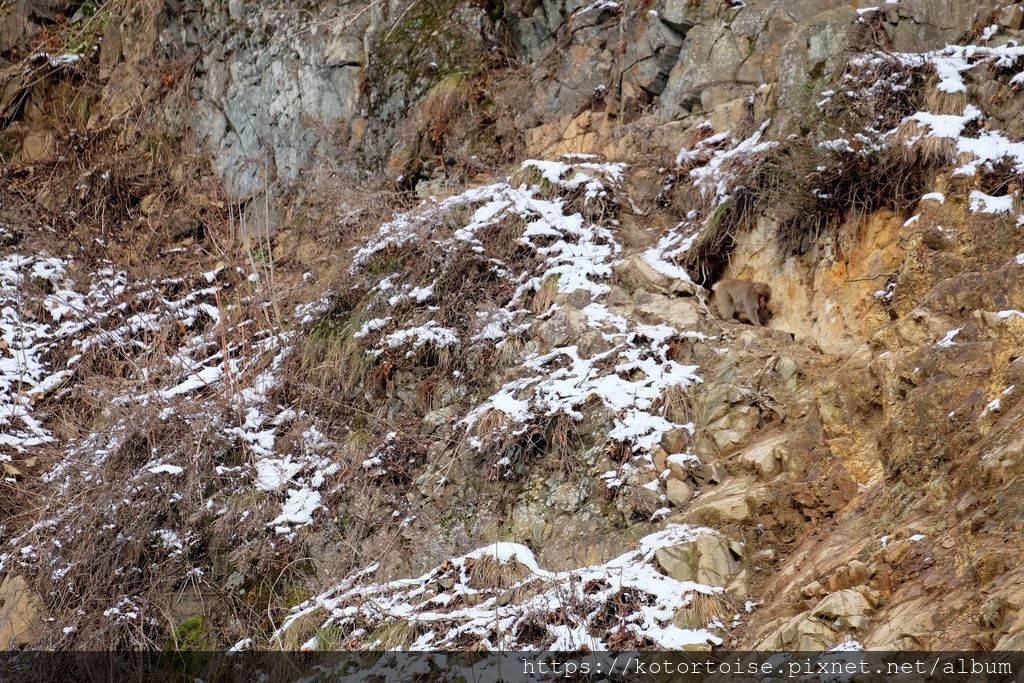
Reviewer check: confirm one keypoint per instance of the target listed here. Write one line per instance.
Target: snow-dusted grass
(525, 607)
(562, 222)
(183, 387)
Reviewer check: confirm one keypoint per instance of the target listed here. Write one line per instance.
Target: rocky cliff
(387, 325)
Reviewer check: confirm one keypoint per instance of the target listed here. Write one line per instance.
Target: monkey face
(764, 294)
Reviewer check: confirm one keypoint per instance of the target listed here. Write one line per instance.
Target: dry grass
(676, 404)
(490, 422)
(937, 101)
(808, 189)
(448, 99)
(487, 573)
(918, 147)
(545, 296)
(710, 606)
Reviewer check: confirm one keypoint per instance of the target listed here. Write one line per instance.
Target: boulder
(708, 559)
(641, 501)
(845, 609)
(731, 503)
(679, 492)
(788, 372)
(651, 51)
(727, 431)
(767, 456)
(565, 326)
(635, 273)
(907, 626)
(1012, 17)
(435, 419)
(37, 148)
(675, 441)
(681, 313)
(802, 632)
(731, 115)
(19, 613)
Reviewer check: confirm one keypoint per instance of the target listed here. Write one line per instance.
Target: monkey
(743, 299)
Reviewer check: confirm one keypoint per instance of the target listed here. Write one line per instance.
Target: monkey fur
(743, 299)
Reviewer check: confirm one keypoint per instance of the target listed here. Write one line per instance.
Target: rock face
(275, 90)
(268, 104)
(493, 349)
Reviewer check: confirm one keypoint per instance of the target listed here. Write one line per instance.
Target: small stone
(679, 492)
(992, 613)
(675, 441)
(711, 473)
(110, 46)
(1012, 17)
(37, 148)
(150, 204)
(688, 618)
(234, 581)
(660, 458)
(811, 590)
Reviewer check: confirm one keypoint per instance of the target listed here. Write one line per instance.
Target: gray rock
(15, 30)
(708, 560)
(636, 274)
(565, 326)
(433, 420)
(651, 52)
(265, 99)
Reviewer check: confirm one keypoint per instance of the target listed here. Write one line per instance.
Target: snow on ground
(629, 379)
(466, 602)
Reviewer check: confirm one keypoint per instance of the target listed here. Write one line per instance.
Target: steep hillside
(387, 325)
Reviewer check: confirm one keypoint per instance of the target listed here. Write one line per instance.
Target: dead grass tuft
(545, 296)
(487, 573)
(937, 101)
(676, 404)
(913, 141)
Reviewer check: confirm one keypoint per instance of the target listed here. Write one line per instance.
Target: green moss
(261, 255)
(296, 595)
(190, 635)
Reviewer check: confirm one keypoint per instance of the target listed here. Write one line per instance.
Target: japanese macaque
(743, 299)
